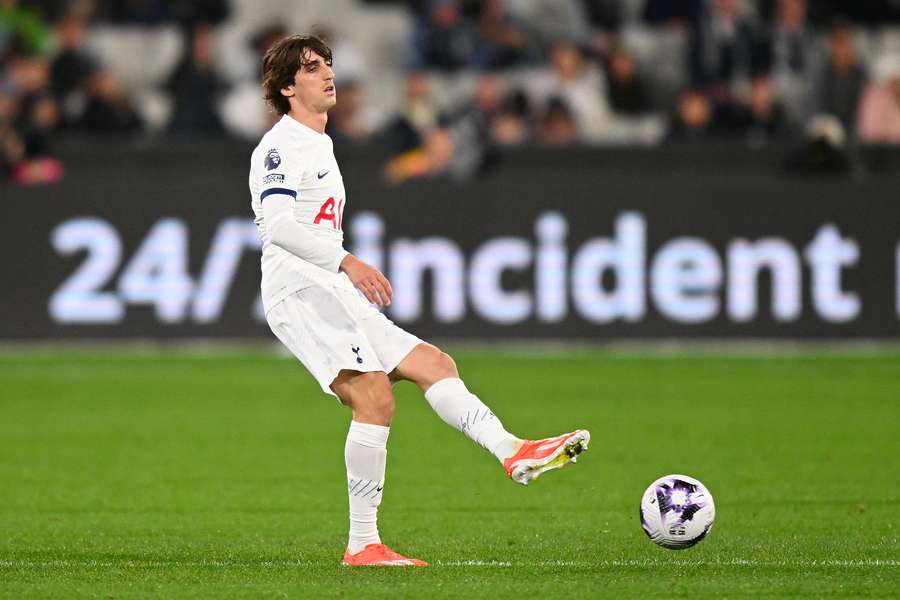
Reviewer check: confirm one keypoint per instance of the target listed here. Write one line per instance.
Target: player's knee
(426, 365)
(381, 406)
(444, 365)
(440, 365)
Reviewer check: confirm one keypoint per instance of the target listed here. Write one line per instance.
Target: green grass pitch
(136, 475)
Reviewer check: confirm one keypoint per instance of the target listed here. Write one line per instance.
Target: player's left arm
(367, 279)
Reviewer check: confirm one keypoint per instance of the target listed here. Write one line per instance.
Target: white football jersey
(295, 160)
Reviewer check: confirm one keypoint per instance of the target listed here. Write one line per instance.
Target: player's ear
(288, 91)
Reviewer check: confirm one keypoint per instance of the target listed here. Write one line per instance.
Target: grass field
(128, 475)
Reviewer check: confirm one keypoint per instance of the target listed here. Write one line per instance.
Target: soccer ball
(677, 511)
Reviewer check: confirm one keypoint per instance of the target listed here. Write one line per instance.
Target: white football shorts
(330, 329)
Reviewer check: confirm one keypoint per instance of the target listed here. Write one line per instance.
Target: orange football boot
(379, 555)
(537, 456)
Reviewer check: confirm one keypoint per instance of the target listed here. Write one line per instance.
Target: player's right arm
(285, 232)
(279, 171)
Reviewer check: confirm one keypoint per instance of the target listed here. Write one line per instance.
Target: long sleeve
(285, 232)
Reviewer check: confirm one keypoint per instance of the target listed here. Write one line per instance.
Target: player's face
(314, 84)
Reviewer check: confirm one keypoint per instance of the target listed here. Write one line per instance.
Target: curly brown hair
(281, 62)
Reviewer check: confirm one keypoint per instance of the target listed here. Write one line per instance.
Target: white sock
(365, 456)
(462, 409)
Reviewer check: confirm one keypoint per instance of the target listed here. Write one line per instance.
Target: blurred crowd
(473, 78)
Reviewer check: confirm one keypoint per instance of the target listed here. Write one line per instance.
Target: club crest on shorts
(356, 352)
(273, 159)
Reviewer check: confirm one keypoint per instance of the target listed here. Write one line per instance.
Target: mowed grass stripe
(183, 475)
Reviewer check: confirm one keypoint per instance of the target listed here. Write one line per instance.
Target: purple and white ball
(677, 511)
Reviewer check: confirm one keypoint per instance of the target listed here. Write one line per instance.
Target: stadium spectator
(72, 67)
(39, 121)
(432, 158)
(26, 75)
(797, 56)
(417, 116)
(510, 126)
(759, 83)
(29, 115)
(489, 95)
(461, 146)
(510, 121)
(473, 124)
(879, 113)
(108, 111)
(580, 85)
(444, 39)
(502, 42)
(12, 146)
(350, 121)
(840, 84)
(29, 118)
(627, 92)
(693, 117)
(722, 47)
(698, 118)
(195, 87)
(473, 151)
(765, 119)
(823, 150)
(556, 127)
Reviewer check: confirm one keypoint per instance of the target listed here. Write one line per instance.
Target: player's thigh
(391, 343)
(324, 335)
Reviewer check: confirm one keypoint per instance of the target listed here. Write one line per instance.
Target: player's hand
(367, 279)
